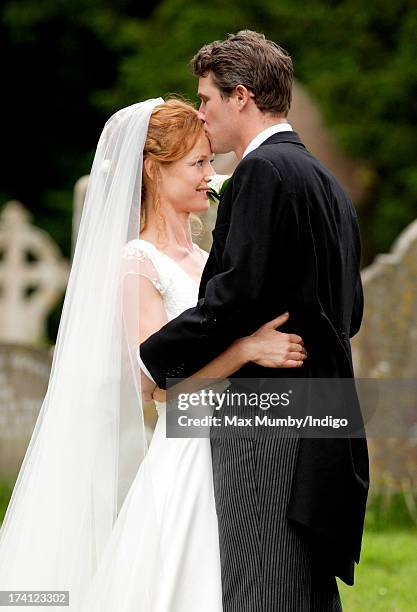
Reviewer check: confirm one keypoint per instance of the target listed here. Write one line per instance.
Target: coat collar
(281, 137)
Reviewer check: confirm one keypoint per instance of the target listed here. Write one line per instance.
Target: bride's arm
(266, 347)
(152, 317)
(142, 307)
(143, 311)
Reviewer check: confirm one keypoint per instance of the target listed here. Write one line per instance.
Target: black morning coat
(286, 239)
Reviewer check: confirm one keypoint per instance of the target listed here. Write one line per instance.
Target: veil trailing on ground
(89, 439)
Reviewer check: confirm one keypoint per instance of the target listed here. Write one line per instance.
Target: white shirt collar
(265, 134)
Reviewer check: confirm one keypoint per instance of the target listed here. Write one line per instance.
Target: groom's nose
(201, 115)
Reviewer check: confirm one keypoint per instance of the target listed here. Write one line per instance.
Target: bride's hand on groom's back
(271, 348)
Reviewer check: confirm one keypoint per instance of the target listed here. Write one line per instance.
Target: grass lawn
(386, 577)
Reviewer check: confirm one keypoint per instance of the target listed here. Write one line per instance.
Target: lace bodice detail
(177, 288)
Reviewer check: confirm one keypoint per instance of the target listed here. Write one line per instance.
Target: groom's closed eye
(203, 100)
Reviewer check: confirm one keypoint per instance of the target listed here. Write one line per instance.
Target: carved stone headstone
(24, 374)
(386, 345)
(33, 276)
(386, 349)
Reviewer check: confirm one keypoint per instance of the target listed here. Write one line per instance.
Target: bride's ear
(149, 169)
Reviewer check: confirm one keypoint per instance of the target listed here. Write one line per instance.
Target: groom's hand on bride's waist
(147, 387)
(273, 349)
(159, 395)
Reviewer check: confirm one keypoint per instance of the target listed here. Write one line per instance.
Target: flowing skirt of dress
(163, 554)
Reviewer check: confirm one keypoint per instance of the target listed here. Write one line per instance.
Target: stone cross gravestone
(33, 276)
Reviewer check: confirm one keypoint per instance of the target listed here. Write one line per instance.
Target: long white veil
(89, 439)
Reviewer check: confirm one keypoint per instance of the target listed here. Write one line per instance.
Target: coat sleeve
(194, 338)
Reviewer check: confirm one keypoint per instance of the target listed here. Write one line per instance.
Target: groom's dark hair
(248, 58)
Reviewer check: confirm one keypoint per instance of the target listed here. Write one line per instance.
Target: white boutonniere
(217, 185)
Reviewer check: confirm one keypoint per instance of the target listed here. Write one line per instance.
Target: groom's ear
(242, 95)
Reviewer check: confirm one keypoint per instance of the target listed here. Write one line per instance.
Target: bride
(95, 511)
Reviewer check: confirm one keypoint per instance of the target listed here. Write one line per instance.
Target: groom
(290, 510)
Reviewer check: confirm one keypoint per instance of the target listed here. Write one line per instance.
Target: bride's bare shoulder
(202, 252)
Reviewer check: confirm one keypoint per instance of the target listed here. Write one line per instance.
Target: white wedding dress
(163, 554)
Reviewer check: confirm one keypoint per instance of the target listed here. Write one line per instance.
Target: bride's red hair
(174, 128)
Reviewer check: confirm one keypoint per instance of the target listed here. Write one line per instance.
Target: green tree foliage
(68, 64)
(55, 54)
(356, 58)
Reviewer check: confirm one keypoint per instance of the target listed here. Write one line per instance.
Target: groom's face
(218, 114)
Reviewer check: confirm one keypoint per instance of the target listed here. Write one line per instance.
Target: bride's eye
(200, 163)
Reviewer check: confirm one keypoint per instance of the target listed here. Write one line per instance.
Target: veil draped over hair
(89, 439)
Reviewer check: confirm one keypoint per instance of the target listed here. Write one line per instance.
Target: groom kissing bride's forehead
(245, 82)
(290, 509)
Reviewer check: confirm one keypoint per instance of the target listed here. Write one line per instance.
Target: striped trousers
(266, 564)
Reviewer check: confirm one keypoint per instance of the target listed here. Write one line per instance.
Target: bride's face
(183, 183)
